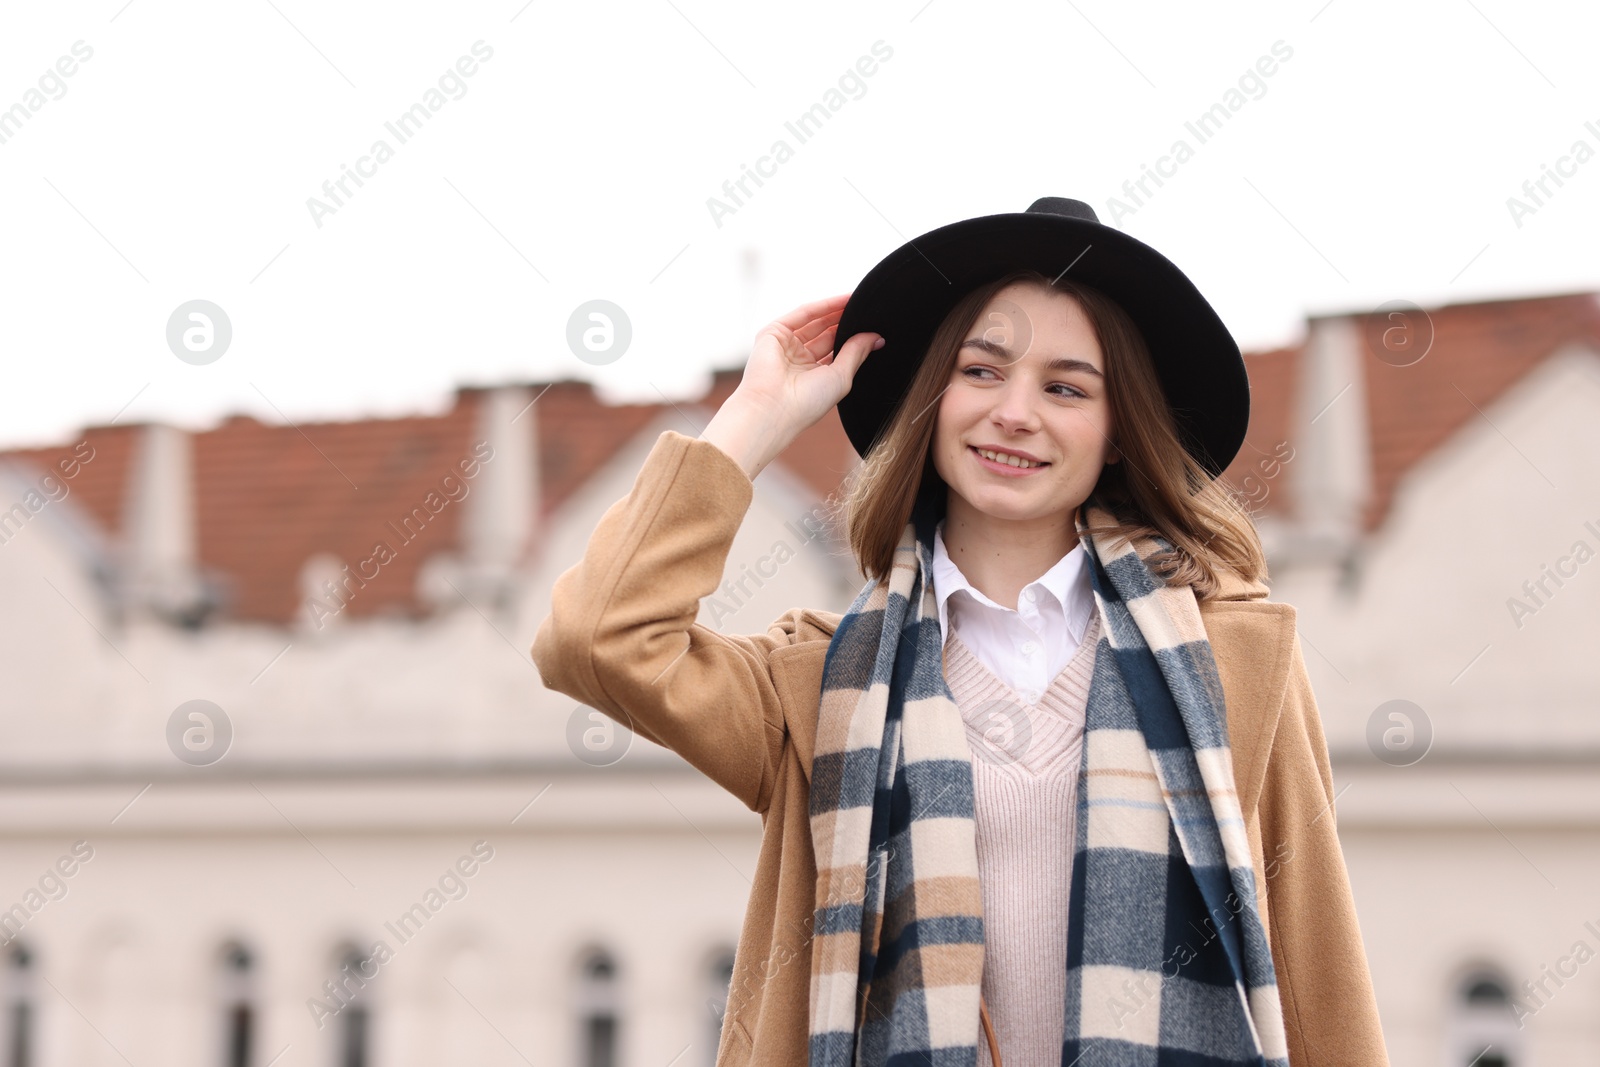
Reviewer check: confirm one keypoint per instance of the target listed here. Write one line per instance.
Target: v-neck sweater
(1025, 763)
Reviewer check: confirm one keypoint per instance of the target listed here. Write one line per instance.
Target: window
(598, 1010)
(238, 1006)
(720, 979)
(19, 1019)
(1484, 1022)
(354, 1030)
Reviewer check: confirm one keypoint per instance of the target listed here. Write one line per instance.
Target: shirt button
(1031, 697)
(1028, 594)
(1028, 647)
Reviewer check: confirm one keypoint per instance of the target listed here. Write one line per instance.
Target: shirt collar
(1067, 581)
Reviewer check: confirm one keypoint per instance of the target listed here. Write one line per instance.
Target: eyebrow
(1060, 363)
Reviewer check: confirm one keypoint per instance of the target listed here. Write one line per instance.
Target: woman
(1094, 828)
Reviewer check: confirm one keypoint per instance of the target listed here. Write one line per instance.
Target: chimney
(1333, 463)
(160, 577)
(503, 506)
(750, 271)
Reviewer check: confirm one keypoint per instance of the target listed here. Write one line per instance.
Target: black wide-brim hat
(907, 295)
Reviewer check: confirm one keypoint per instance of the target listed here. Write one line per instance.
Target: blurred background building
(281, 785)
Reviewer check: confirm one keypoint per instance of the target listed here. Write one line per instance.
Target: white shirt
(1025, 646)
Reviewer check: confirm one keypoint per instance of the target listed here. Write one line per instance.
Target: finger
(817, 325)
(822, 344)
(854, 352)
(816, 309)
(805, 334)
(810, 330)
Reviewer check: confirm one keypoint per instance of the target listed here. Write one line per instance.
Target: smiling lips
(1008, 463)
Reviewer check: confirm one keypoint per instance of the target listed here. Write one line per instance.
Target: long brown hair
(1157, 487)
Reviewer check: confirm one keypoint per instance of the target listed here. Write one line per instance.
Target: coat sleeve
(621, 635)
(1330, 1013)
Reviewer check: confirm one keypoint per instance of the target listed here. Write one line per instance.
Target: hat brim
(907, 295)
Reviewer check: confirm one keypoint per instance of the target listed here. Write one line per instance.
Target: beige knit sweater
(1025, 763)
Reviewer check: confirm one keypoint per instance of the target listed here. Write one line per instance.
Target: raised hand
(791, 380)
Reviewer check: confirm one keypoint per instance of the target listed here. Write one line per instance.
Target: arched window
(599, 1010)
(1485, 1022)
(238, 987)
(719, 979)
(353, 1026)
(20, 1001)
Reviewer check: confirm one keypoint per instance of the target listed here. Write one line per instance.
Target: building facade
(282, 785)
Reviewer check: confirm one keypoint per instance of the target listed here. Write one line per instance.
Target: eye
(1073, 392)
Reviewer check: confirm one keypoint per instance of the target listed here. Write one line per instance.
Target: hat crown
(1060, 205)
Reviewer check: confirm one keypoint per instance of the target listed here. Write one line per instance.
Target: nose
(1015, 408)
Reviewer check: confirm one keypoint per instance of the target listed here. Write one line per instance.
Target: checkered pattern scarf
(1167, 962)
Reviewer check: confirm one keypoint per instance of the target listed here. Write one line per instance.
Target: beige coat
(621, 637)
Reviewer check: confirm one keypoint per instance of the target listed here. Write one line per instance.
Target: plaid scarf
(1166, 961)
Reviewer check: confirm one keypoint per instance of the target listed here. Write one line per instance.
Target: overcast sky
(575, 163)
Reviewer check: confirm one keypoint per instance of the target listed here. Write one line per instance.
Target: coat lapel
(1251, 642)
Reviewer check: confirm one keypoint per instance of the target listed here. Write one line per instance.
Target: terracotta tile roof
(267, 498)
(577, 435)
(1257, 472)
(100, 486)
(270, 497)
(1479, 351)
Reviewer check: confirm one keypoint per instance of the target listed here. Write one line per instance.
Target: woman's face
(1029, 381)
